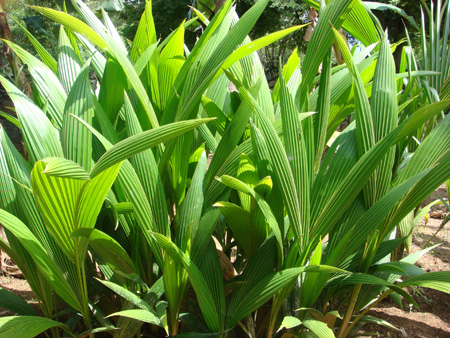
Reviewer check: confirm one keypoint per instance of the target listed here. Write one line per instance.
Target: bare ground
(432, 319)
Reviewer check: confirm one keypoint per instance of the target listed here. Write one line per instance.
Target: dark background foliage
(169, 14)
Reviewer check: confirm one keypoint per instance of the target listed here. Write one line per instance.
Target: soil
(432, 318)
(21, 288)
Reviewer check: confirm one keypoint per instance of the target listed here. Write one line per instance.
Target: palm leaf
(28, 326)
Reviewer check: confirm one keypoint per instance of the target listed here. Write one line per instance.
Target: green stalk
(444, 222)
(277, 302)
(45, 306)
(349, 312)
(273, 317)
(173, 324)
(242, 326)
(426, 7)
(86, 300)
(350, 327)
(55, 331)
(366, 261)
(83, 288)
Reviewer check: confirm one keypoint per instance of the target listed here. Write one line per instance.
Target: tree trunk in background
(5, 33)
(219, 4)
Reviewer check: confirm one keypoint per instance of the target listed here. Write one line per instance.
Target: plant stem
(272, 319)
(349, 312)
(350, 327)
(86, 299)
(275, 308)
(81, 272)
(444, 222)
(174, 326)
(426, 7)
